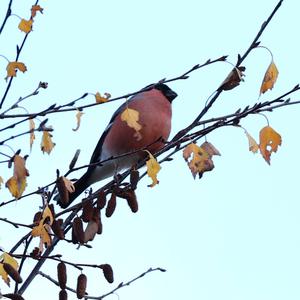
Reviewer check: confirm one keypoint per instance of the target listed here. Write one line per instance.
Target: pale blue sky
(234, 234)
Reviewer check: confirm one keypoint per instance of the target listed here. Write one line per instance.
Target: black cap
(168, 93)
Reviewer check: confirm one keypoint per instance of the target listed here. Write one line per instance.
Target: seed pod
(111, 205)
(81, 286)
(108, 272)
(97, 219)
(90, 231)
(36, 253)
(13, 296)
(101, 200)
(12, 272)
(130, 196)
(134, 178)
(62, 275)
(77, 230)
(87, 211)
(56, 228)
(37, 217)
(63, 192)
(63, 295)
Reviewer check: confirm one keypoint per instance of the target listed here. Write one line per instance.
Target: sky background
(234, 234)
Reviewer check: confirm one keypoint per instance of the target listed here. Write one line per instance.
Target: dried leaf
(17, 183)
(78, 118)
(198, 159)
(1, 181)
(32, 135)
(43, 228)
(47, 145)
(12, 272)
(253, 146)
(25, 25)
(269, 78)
(210, 149)
(233, 79)
(12, 68)
(131, 117)
(35, 9)
(269, 140)
(6, 258)
(101, 99)
(153, 168)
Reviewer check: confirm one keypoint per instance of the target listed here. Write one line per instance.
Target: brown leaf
(78, 118)
(233, 79)
(12, 272)
(253, 146)
(35, 9)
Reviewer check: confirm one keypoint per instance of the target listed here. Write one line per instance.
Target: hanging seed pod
(13, 296)
(108, 272)
(63, 191)
(37, 217)
(57, 230)
(130, 196)
(12, 272)
(101, 200)
(77, 230)
(63, 295)
(111, 205)
(87, 211)
(81, 286)
(62, 275)
(134, 178)
(90, 231)
(36, 252)
(97, 219)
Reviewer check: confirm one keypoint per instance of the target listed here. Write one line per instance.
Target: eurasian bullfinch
(154, 106)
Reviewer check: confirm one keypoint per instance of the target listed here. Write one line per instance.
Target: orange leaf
(101, 99)
(153, 168)
(269, 78)
(6, 258)
(253, 146)
(35, 9)
(78, 118)
(131, 117)
(269, 140)
(47, 145)
(17, 183)
(32, 135)
(25, 25)
(12, 68)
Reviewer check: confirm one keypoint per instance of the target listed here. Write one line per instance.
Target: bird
(153, 103)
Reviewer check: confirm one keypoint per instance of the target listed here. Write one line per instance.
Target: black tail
(80, 186)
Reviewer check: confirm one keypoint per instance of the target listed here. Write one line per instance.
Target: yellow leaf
(12, 68)
(32, 135)
(199, 158)
(269, 140)
(47, 145)
(6, 258)
(153, 168)
(43, 228)
(131, 117)
(78, 118)
(17, 183)
(35, 9)
(269, 78)
(101, 99)
(253, 146)
(25, 25)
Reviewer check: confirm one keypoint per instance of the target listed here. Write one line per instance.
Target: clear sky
(234, 234)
